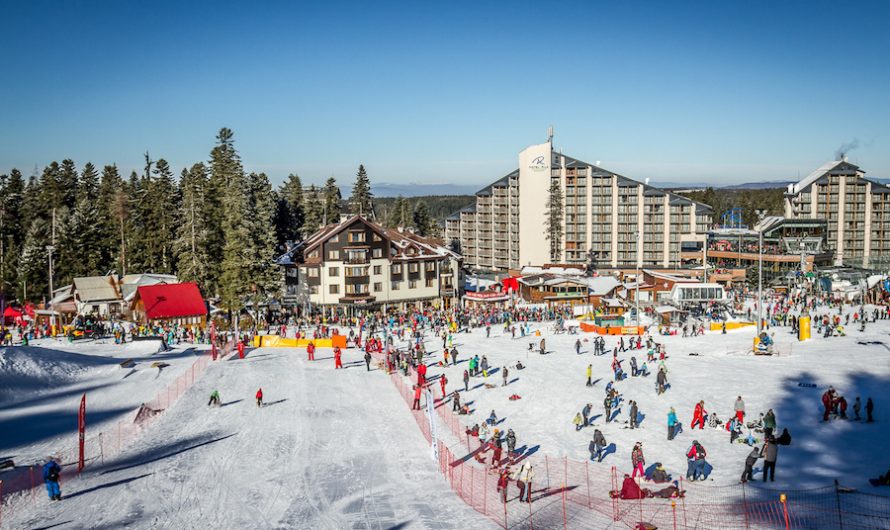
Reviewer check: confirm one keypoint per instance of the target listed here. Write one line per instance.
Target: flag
(81, 430)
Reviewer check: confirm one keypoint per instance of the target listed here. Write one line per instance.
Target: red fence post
(565, 521)
(783, 500)
(674, 512)
(472, 487)
(530, 520)
(547, 468)
(587, 474)
(683, 503)
(745, 504)
(485, 492)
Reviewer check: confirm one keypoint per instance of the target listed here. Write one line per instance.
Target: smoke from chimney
(845, 148)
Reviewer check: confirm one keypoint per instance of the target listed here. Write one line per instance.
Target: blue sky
(448, 92)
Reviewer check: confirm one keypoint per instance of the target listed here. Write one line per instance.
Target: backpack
(700, 451)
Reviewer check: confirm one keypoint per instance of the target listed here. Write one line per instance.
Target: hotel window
(313, 289)
(397, 269)
(334, 271)
(376, 237)
(430, 266)
(378, 287)
(358, 288)
(377, 253)
(412, 284)
(378, 269)
(430, 282)
(334, 289)
(313, 272)
(395, 285)
(313, 254)
(333, 255)
(413, 267)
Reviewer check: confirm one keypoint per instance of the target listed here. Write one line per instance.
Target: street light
(760, 215)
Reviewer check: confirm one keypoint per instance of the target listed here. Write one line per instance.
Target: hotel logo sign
(538, 164)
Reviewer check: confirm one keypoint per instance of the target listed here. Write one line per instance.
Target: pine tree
(314, 211)
(112, 219)
(226, 170)
(553, 222)
(360, 201)
(33, 265)
(191, 242)
(332, 199)
(400, 216)
(290, 213)
(68, 181)
(423, 222)
(79, 249)
(12, 234)
(264, 275)
(164, 205)
(46, 192)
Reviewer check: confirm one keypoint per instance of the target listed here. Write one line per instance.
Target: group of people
(835, 406)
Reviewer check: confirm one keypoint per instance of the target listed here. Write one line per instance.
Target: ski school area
(338, 448)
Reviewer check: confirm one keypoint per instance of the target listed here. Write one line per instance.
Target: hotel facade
(617, 221)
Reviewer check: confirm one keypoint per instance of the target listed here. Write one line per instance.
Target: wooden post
(587, 474)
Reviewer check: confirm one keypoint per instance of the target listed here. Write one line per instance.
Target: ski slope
(329, 450)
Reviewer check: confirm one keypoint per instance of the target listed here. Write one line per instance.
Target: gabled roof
(823, 170)
(332, 229)
(92, 289)
(177, 300)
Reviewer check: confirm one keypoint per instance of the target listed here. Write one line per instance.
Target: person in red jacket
(338, 362)
(240, 349)
(442, 382)
(421, 374)
(827, 403)
(416, 404)
(259, 397)
(310, 351)
(698, 416)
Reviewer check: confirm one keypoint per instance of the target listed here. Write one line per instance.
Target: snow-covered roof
(814, 176)
(96, 289)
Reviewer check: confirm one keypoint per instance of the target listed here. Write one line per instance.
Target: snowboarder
(368, 360)
(637, 460)
(597, 446)
(214, 398)
(51, 472)
(259, 397)
(748, 473)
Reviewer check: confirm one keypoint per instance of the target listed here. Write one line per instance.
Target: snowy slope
(329, 450)
(44, 383)
(553, 390)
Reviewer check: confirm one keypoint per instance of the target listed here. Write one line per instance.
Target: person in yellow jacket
(589, 374)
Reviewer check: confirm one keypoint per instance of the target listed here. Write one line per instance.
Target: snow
(329, 450)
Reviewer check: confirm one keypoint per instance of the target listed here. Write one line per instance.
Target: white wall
(534, 183)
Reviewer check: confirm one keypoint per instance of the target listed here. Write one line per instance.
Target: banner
(81, 429)
(431, 415)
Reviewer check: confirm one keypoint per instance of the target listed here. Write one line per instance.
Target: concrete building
(857, 211)
(356, 262)
(617, 221)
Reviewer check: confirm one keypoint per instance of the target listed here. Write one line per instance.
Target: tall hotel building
(857, 210)
(622, 222)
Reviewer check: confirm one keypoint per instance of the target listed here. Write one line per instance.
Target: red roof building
(180, 303)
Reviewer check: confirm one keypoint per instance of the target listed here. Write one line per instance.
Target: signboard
(431, 415)
(486, 295)
(81, 430)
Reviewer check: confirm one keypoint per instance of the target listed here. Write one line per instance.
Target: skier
(748, 473)
(503, 482)
(338, 362)
(51, 472)
(698, 416)
(661, 380)
(842, 406)
(214, 398)
(511, 442)
(607, 405)
(368, 360)
(633, 414)
(240, 349)
(633, 367)
(453, 356)
(637, 460)
(505, 374)
(578, 346)
(259, 397)
(770, 453)
(589, 374)
(442, 382)
(526, 476)
(586, 413)
(672, 423)
(310, 351)
(543, 348)
(455, 402)
(827, 403)
(467, 379)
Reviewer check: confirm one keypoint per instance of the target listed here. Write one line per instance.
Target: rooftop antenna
(550, 133)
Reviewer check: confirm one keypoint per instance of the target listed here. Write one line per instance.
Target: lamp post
(760, 215)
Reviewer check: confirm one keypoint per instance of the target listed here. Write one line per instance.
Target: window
(356, 237)
(352, 272)
(334, 239)
(395, 285)
(334, 271)
(412, 284)
(377, 253)
(413, 267)
(397, 269)
(358, 288)
(430, 266)
(378, 269)
(333, 255)
(313, 254)
(378, 287)
(334, 289)
(377, 237)
(313, 289)
(313, 272)
(430, 282)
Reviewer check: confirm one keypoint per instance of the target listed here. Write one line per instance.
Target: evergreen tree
(264, 275)
(191, 242)
(225, 168)
(424, 224)
(164, 204)
(67, 181)
(88, 183)
(111, 235)
(400, 216)
(33, 265)
(314, 211)
(47, 191)
(332, 199)
(12, 188)
(360, 201)
(290, 213)
(79, 248)
(553, 222)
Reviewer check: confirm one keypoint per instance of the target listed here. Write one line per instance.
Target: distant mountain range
(386, 189)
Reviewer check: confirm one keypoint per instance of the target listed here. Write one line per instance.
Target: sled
(9, 464)
(127, 364)
(159, 365)
(514, 397)
(489, 385)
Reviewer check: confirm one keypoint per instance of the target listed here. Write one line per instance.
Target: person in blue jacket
(51, 471)
(672, 423)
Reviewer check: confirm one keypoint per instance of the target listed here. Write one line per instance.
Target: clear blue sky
(448, 91)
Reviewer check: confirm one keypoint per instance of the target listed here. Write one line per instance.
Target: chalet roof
(92, 289)
(177, 300)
